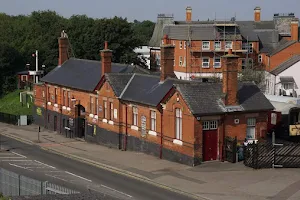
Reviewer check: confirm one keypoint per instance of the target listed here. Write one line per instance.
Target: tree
(143, 31)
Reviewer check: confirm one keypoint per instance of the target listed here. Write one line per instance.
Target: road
(31, 161)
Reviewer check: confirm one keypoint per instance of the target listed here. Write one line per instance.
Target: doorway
(55, 123)
(210, 140)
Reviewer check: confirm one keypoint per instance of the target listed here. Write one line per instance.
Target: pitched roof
(268, 40)
(83, 74)
(118, 81)
(285, 65)
(157, 34)
(205, 98)
(287, 79)
(147, 89)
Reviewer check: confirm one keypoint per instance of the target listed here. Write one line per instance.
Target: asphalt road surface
(31, 161)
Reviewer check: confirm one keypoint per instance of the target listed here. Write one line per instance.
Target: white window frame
(134, 116)
(184, 44)
(180, 45)
(92, 108)
(251, 129)
(210, 125)
(184, 62)
(174, 43)
(178, 124)
(260, 58)
(111, 111)
(205, 62)
(96, 106)
(217, 64)
(244, 46)
(152, 120)
(205, 45)
(180, 61)
(228, 44)
(105, 109)
(219, 46)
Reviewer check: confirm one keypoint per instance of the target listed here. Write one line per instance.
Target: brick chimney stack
(295, 29)
(167, 59)
(257, 11)
(188, 14)
(230, 78)
(106, 57)
(63, 47)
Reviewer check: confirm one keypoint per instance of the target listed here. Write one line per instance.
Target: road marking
(9, 157)
(20, 167)
(78, 176)
(116, 191)
(19, 154)
(45, 164)
(56, 177)
(14, 160)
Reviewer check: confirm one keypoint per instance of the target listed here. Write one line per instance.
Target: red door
(210, 141)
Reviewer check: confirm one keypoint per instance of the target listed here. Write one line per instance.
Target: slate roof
(285, 65)
(287, 79)
(84, 74)
(205, 98)
(268, 40)
(118, 81)
(147, 89)
(23, 73)
(157, 35)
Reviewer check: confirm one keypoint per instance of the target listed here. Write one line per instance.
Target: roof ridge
(126, 86)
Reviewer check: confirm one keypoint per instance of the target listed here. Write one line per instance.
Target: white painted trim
(179, 142)
(56, 105)
(49, 103)
(111, 122)
(68, 108)
(104, 120)
(152, 133)
(64, 107)
(96, 116)
(134, 127)
(91, 115)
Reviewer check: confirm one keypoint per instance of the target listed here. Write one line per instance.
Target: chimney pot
(105, 45)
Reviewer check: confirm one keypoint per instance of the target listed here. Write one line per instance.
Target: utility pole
(36, 66)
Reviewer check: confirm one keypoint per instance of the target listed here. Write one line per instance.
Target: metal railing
(12, 184)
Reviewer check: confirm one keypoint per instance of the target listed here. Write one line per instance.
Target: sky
(148, 9)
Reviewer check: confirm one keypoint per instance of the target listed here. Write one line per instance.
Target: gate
(230, 149)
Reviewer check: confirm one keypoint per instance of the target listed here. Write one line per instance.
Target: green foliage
(21, 35)
(3, 197)
(11, 104)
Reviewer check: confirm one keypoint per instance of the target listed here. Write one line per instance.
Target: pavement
(211, 180)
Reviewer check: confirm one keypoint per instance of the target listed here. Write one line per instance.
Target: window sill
(104, 120)
(64, 107)
(205, 49)
(217, 67)
(176, 141)
(205, 67)
(49, 103)
(152, 133)
(56, 105)
(110, 122)
(134, 128)
(68, 108)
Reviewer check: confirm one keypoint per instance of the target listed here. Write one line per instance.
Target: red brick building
(129, 108)
(199, 45)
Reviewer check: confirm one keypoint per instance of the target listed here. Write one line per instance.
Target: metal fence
(12, 184)
(14, 119)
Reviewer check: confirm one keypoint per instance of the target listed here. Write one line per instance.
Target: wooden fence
(268, 155)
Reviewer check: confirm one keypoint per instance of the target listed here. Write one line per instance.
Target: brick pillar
(106, 56)
(295, 29)
(188, 14)
(257, 12)
(167, 60)
(63, 46)
(230, 78)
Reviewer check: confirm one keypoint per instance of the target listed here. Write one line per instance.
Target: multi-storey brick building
(126, 108)
(199, 45)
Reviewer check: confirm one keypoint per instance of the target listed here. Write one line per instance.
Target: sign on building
(273, 118)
